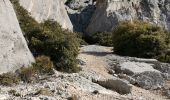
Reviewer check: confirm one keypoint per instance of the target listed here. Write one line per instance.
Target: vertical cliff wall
(14, 52)
(109, 12)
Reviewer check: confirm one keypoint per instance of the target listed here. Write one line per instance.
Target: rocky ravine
(104, 76)
(109, 12)
(14, 52)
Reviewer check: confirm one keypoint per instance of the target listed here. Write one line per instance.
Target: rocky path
(94, 61)
(95, 58)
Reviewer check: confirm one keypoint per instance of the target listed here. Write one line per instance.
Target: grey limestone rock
(14, 52)
(109, 12)
(149, 80)
(48, 9)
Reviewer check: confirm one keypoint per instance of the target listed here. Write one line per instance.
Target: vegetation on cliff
(49, 39)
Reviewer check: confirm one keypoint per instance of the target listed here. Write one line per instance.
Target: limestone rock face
(109, 12)
(80, 13)
(48, 9)
(14, 52)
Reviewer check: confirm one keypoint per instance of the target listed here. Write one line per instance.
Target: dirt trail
(94, 61)
(94, 58)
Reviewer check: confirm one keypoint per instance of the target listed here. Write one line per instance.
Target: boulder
(118, 85)
(48, 9)
(164, 68)
(142, 74)
(14, 52)
(110, 12)
(149, 80)
(131, 68)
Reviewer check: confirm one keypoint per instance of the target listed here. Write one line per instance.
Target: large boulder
(14, 52)
(149, 80)
(140, 72)
(48, 9)
(131, 68)
(118, 85)
(109, 12)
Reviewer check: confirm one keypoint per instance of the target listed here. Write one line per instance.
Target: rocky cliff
(14, 52)
(80, 13)
(109, 12)
(48, 9)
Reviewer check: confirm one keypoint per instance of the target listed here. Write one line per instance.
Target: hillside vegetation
(49, 39)
(141, 39)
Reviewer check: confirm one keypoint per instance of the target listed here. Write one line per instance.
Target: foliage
(43, 66)
(9, 79)
(140, 39)
(49, 39)
(103, 38)
(27, 74)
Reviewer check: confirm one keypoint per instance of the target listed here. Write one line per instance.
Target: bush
(104, 38)
(28, 75)
(44, 65)
(9, 79)
(140, 39)
(49, 39)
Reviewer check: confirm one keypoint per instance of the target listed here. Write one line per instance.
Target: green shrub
(140, 39)
(44, 65)
(28, 75)
(49, 39)
(103, 38)
(9, 79)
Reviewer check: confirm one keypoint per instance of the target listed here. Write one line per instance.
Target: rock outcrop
(48, 9)
(109, 12)
(146, 73)
(14, 52)
(131, 68)
(149, 80)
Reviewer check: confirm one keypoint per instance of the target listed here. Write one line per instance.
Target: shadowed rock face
(48, 9)
(14, 52)
(109, 12)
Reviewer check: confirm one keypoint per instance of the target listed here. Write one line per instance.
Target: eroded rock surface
(109, 12)
(14, 52)
(48, 9)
